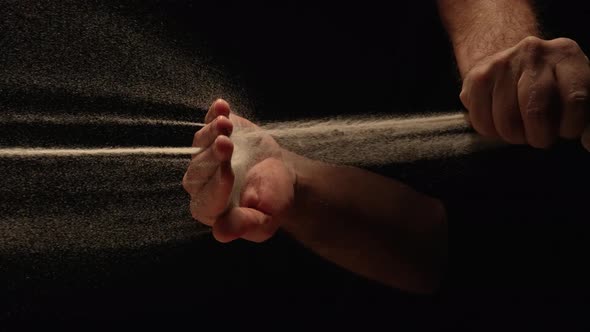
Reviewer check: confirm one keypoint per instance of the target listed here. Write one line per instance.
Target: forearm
(478, 28)
(369, 224)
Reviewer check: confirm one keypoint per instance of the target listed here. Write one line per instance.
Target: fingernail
(224, 130)
(221, 104)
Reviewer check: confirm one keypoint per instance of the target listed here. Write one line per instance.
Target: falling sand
(353, 141)
(97, 113)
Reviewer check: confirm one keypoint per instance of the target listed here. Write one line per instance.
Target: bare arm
(372, 225)
(517, 86)
(369, 224)
(481, 28)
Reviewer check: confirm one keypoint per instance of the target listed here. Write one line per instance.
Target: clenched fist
(532, 93)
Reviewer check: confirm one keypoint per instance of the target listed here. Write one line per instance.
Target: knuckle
(186, 184)
(198, 135)
(464, 100)
(480, 75)
(566, 44)
(577, 98)
(532, 42)
(502, 63)
(536, 107)
(204, 133)
(532, 47)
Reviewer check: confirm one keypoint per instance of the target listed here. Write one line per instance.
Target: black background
(518, 216)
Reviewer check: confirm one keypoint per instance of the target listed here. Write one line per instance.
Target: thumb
(237, 222)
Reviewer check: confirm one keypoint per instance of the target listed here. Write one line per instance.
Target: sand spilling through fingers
(97, 114)
(378, 141)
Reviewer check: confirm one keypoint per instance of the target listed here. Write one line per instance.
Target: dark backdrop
(518, 215)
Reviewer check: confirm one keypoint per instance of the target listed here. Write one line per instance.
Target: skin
(398, 237)
(268, 192)
(517, 86)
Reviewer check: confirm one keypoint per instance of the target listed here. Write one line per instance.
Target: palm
(240, 185)
(271, 186)
(268, 188)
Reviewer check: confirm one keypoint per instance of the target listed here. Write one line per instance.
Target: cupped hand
(262, 200)
(532, 93)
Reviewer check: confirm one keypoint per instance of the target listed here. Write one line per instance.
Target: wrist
(469, 55)
(479, 29)
(296, 165)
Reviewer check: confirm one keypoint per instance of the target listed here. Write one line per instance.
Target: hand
(268, 185)
(531, 93)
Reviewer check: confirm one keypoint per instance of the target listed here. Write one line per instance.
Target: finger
(573, 80)
(505, 110)
(477, 98)
(205, 164)
(219, 107)
(261, 233)
(213, 199)
(207, 135)
(212, 189)
(536, 99)
(219, 126)
(237, 222)
(217, 192)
